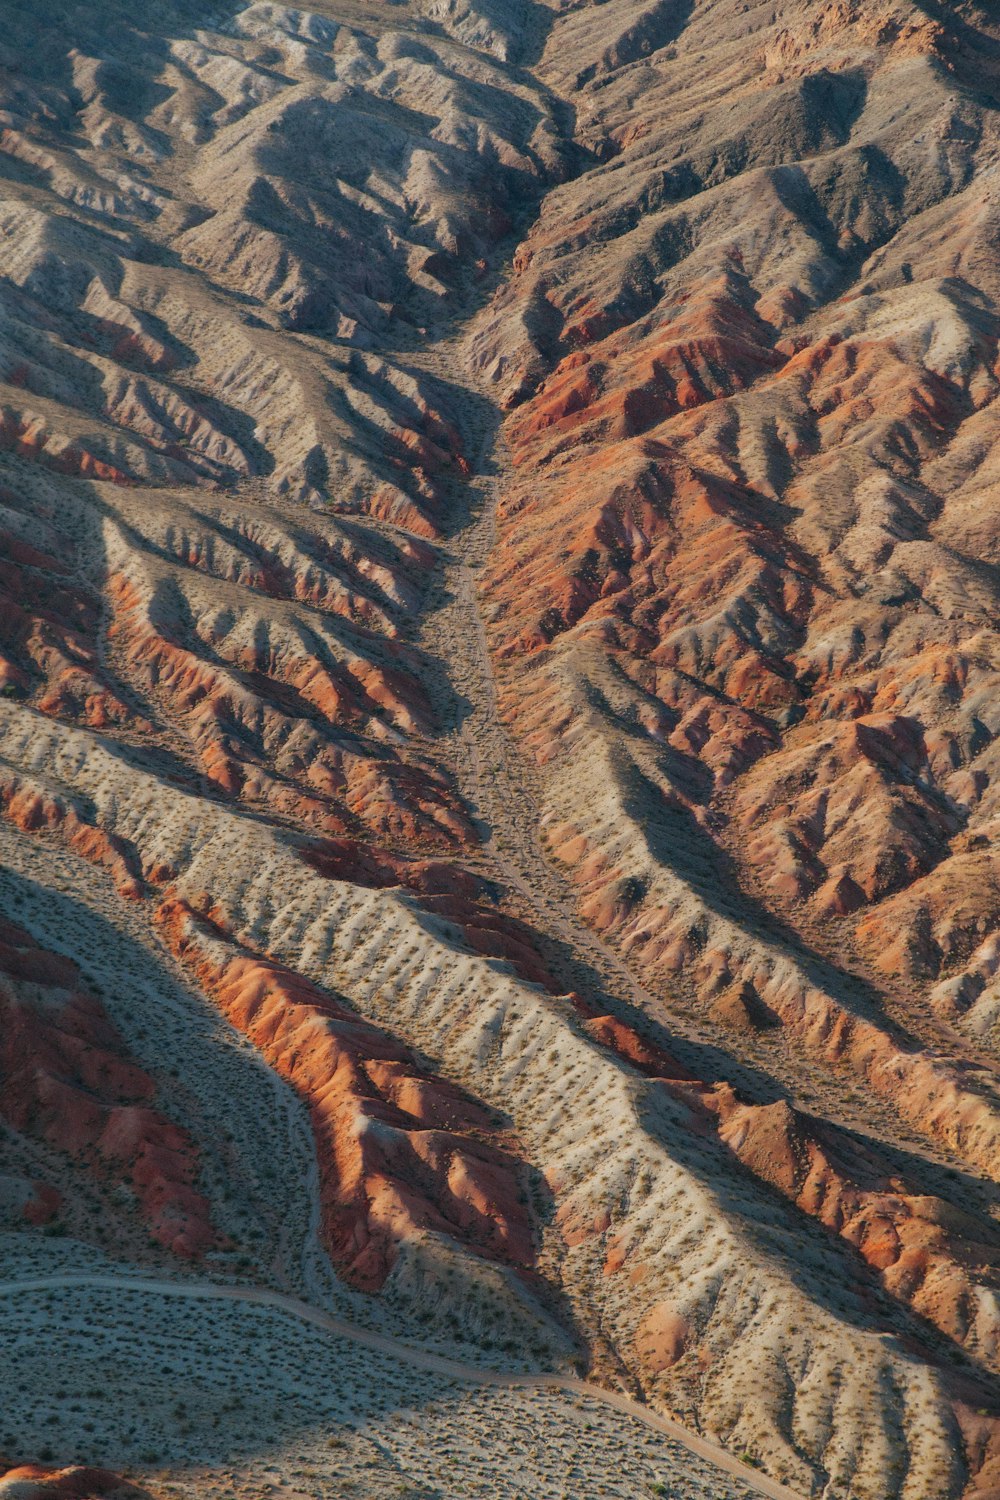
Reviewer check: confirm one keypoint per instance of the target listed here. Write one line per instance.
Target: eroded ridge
(496, 651)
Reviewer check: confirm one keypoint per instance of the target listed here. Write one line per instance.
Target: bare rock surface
(498, 674)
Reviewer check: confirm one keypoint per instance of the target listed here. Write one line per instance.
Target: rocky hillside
(499, 653)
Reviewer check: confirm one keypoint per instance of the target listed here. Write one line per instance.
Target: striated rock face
(66, 1079)
(498, 676)
(401, 1153)
(753, 358)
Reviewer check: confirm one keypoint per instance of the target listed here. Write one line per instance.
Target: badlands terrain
(499, 715)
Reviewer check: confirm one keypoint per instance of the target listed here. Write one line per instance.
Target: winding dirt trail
(409, 1354)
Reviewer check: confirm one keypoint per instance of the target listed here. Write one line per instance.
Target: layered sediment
(497, 573)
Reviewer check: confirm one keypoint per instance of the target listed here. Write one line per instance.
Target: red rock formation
(47, 640)
(850, 813)
(928, 1252)
(36, 1482)
(26, 434)
(741, 601)
(400, 1152)
(34, 811)
(303, 733)
(27, 1199)
(67, 1079)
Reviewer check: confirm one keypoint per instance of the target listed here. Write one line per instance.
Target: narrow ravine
(493, 773)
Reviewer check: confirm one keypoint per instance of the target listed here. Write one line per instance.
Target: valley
(498, 626)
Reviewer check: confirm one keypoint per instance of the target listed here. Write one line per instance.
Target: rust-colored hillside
(499, 665)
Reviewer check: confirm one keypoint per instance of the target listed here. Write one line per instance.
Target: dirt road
(408, 1354)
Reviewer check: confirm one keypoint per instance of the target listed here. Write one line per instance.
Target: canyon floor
(499, 665)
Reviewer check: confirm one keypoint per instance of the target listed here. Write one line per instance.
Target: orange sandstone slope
(36, 1482)
(498, 624)
(67, 1081)
(743, 605)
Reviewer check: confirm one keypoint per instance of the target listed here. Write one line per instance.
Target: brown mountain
(499, 640)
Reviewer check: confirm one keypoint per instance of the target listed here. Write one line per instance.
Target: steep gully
(494, 776)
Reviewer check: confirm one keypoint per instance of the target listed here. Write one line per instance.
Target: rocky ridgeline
(497, 570)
